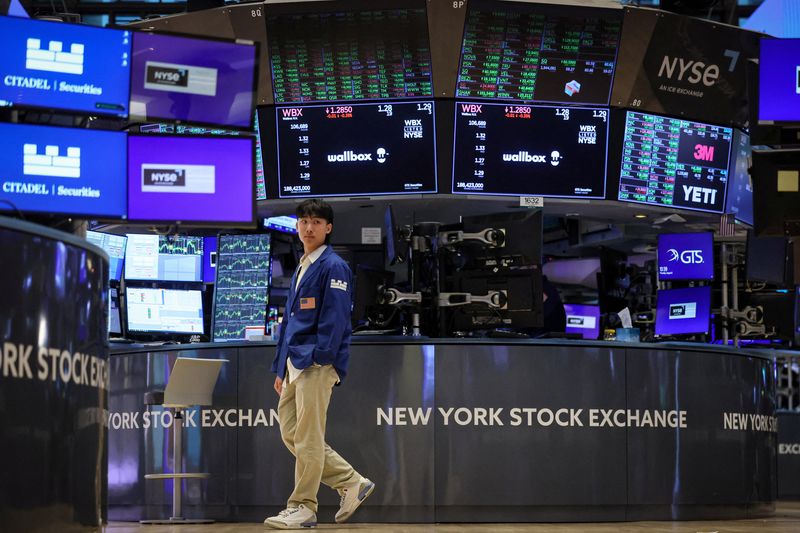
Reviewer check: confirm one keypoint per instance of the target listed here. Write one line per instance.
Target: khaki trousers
(302, 412)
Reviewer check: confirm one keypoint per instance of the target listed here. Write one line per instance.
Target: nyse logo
(693, 71)
(699, 195)
(679, 311)
(164, 177)
(413, 129)
(576, 321)
(687, 257)
(703, 152)
(176, 77)
(525, 157)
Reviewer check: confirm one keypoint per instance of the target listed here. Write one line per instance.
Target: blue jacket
(316, 323)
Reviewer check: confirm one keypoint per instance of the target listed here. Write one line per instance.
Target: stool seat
(155, 397)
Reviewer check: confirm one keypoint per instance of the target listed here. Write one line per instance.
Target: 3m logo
(54, 59)
(51, 164)
(703, 152)
(177, 78)
(683, 310)
(195, 179)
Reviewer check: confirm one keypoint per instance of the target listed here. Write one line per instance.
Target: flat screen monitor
(209, 259)
(62, 171)
(164, 258)
(241, 292)
(776, 198)
(739, 200)
(583, 320)
(356, 149)
(525, 150)
(518, 242)
(114, 246)
(179, 129)
(166, 311)
(685, 256)
(672, 162)
(534, 52)
(190, 79)
(191, 180)
(779, 81)
(683, 311)
(284, 224)
(65, 67)
(114, 317)
(318, 56)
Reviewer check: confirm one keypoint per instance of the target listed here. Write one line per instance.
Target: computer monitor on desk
(159, 313)
(683, 311)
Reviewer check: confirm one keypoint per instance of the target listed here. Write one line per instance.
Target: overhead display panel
(62, 66)
(672, 162)
(779, 81)
(349, 55)
(684, 66)
(356, 149)
(739, 200)
(538, 52)
(530, 150)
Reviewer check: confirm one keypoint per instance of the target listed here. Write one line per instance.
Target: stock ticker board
(538, 53)
(369, 55)
(674, 162)
(241, 292)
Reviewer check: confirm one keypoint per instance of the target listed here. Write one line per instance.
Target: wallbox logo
(176, 78)
(51, 164)
(54, 59)
(382, 155)
(682, 310)
(349, 156)
(555, 158)
(195, 179)
(525, 157)
(687, 257)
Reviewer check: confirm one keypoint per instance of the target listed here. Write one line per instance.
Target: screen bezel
(156, 333)
(138, 119)
(704, 289)
(206, 222)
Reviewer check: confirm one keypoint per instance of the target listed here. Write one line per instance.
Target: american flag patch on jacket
(338, 284)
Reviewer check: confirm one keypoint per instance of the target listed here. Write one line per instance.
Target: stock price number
(339, 112)
(518, 111)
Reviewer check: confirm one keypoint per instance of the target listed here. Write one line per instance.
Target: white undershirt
(305, 264)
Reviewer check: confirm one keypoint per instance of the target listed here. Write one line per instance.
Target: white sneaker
(353, 496)
(293, 518)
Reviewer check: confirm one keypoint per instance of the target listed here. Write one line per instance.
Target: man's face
(312, 231)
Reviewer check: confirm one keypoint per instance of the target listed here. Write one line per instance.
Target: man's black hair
(315, 207)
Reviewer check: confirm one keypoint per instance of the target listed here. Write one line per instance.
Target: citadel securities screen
(675, 163)
(530, 150)
(685, 256)
(192, 80)
(538, 52)
(64, 66)
(779, 80)
(683, 311)
(191, 179)
(63, 170)
(356, 149)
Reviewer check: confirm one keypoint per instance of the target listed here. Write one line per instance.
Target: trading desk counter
(458, 430)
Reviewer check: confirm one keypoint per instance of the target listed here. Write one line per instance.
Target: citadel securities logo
(176, 78)
(687, 257)
(51, 163)
(195, 179)
(55, 58)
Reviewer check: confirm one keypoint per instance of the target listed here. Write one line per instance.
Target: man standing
(312, 356)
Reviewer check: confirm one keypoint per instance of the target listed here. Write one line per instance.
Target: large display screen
(538, 52)
(62, 66)
(241, 292)
(530, 150)
(674, 163)
(62, 170)
(779, 80)
(261, 188)
(164, 310)
(114, 246)
(190, 79)
(164, 258)
(685, 256)
(683, 311)
(739, 200)
(356, 149)
(191, 179)
(583, 320)
(363, 55)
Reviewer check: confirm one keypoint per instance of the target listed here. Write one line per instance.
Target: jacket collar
(310, 272)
